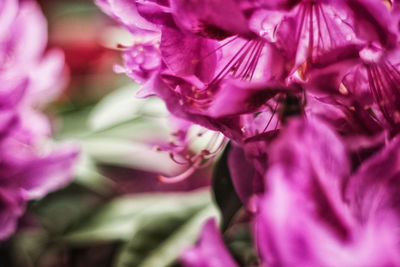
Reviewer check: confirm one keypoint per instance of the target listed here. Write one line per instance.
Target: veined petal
(188, 55)
(204, 17)
(313, 28)
(235, 97)
(373, 21)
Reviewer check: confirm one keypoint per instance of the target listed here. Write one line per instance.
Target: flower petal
(373, 190)
(210, 250)
(204, 18)
(188, 55)
(243, 174)
(125, 11)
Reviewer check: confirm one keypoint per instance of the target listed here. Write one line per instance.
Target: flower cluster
(308, 93)
(29, 77)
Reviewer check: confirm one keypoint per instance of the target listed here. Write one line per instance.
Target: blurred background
(116, 212)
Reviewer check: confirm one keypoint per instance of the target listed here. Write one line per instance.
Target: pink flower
(28, 79)
(306, 219)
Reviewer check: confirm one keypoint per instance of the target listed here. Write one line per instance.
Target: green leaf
(73, 124)
(118, 106)
(143, 129)
(60, 210)
(123, 217)
(119, 114)
(127, 153)
(225, 195)
(87, 175)
(26, 247)
(161, 241)
(241, 245)
(122, 105)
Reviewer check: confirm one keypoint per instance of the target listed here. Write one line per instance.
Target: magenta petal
(8, 11)
(148, 88)
(313, 28)
(311, 149)
(188, 55)
(373, 190)
(205, 18)
(235, 97)
(228, 126)
(243, 174)
(27, 79)
(289, 234)
(47, 79)
(141, 61)
(155, 13)
(12, 92)
(8, 119)
(125, 11)
(310, 156)
(30, 27)
(278, 4)
(47, 174)
(209, 251)
(329, 69)
(302, 219)
(313, 158)
(372, 21)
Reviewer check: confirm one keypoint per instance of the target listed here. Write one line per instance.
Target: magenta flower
(324, 195)
(303, 218)
(141, 62)
(189, 48)
(28, 79)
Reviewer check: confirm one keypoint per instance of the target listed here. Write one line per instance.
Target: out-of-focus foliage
(126, 217)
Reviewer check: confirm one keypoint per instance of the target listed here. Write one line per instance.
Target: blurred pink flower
(29, 78)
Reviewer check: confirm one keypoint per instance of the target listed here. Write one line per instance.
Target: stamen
(180, 177)
(242, 65)
(197, 161)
